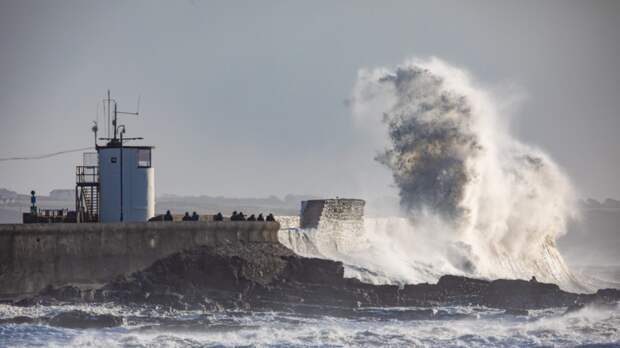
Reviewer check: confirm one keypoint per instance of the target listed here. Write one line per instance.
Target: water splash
(476, 200)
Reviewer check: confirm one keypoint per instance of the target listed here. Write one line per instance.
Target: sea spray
(476, 201)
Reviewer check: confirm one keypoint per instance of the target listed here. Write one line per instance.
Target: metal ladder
(87, 193)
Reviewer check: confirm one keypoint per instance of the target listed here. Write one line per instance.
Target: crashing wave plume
(500, 203)
(476, 201)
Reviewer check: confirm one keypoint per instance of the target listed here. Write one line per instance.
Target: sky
(247, 98)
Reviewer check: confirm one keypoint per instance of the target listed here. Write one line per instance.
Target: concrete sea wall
(33, 256)
(342, 209)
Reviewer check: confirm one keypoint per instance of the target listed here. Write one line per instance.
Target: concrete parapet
(315, 210)
(33, 256)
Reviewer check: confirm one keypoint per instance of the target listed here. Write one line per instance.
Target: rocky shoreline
(269, 276)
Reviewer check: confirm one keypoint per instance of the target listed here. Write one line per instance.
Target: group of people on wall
(241, 217)
(236, 216)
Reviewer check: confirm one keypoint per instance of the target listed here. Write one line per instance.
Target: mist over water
(475, 201)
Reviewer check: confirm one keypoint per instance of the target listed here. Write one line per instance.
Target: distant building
(61, 195)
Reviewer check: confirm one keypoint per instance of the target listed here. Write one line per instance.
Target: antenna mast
(108, 100)
(115, 140)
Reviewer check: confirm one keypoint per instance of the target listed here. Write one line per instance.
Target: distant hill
(289, 205)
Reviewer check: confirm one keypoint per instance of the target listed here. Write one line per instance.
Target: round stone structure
(343, 209)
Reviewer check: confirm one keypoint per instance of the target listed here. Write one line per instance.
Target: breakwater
(33, 256)
(317, 211)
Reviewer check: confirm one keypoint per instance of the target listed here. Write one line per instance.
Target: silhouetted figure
(186, 217)
(270, 217)
(260, 217)
(533, 280)
(234, 216)
(241, 216)
(168, 216)
(218, 217)
(33, 201)
(195, 217)
(252, 218)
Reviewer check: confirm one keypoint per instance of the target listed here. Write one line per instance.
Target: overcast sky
(246, 98)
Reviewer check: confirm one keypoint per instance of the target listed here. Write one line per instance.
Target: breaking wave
(379, 327)
(474, 200)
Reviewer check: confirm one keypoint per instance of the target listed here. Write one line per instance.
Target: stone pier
(33, 256)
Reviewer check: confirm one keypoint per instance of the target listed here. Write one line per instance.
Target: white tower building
(121, 187)
(126, 183)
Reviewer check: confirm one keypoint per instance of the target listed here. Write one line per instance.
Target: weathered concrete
(315, 210)
(33, 256)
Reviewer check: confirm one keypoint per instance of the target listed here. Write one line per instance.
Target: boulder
(82, 320)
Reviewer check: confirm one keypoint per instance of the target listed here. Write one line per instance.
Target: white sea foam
(477, 327)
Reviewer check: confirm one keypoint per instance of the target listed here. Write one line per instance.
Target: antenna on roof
(95, 128)
(107, 101)
(115, 140)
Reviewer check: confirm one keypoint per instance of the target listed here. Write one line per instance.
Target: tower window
(144, 158)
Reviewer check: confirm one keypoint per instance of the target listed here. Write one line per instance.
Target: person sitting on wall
(195, 217)
(218, 217)
(241, 217)
(234, 216)
(260, 217)
(252, 218)
(270, 217)
(186, 217)
(168, 216)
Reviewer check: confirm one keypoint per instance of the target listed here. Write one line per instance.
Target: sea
(372, 327)
(365, 255)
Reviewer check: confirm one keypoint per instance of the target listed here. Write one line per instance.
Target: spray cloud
(501, 203)
(476, 201)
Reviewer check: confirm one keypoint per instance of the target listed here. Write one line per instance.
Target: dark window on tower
(144, 158)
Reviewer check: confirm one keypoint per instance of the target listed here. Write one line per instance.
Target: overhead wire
(47, 155)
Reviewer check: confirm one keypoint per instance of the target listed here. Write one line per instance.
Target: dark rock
(40, 300)
(514, 311)
(312, 270)
(65, 293)
(609, 294)
(268, 276)
(574, 308)
(512, 294)
(18, 320)
(83, 320)
(460, 284)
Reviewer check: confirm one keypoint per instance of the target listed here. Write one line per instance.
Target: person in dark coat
(218, 217)
(186, 217)
(241, 216)
(270, 217)
(260, 217)
(252, 218)
(195, 217)
(168, 216)
(234, 216)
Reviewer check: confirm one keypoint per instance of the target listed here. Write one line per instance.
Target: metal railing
(87, 175)
(87, 193)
